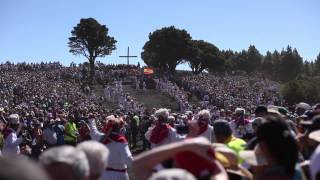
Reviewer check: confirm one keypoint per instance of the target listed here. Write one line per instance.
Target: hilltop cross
(128, 56)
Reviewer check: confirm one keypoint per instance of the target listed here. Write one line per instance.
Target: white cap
(14, 119)
(172, 174)
(315, 163)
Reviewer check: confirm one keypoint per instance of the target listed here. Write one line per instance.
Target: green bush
(302, 90)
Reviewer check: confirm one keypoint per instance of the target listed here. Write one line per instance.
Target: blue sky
(36, 30)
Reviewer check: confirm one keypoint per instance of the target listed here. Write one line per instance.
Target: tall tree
(204, 55)
(254, 59)
(267, 64)
(317, 65)
(241, 61)
(291, 64)
(307, 69)
(166, 48)
(90, 39)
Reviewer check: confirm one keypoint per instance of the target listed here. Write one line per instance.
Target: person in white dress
(120, 157)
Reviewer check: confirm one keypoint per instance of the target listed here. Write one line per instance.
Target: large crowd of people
(237, 90)
(54, 126)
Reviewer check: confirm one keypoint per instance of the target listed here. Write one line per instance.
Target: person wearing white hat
(162, 133)
(12, 141)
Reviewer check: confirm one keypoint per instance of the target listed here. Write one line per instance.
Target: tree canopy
(90, 39)
(302, 90)
(166, 48)
(204, 55)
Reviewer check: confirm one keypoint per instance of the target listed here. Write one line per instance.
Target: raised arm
(94, 132)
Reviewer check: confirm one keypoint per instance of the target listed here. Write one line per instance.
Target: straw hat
(315, 135)
(230, 161)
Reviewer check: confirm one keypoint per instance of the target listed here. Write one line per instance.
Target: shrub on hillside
(302, 91)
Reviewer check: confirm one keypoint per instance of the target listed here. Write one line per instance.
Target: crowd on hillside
(236, 90)
(53, 126)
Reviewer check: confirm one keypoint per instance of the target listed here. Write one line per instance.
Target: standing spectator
(71, 132)
(162, 133)
(205, 129)
(223, 134)
(49, 134)
(12, 141)
(37, 140)
(120, 157)
(59, 130)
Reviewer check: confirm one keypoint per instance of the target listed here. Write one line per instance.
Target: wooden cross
(128, 56)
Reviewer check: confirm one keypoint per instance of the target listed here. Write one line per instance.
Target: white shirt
(208, 133)
(11, 144)
(172, 137)
(120, 156)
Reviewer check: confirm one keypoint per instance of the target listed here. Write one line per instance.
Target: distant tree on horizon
(204, 56)
(166, 48)
(90, 39)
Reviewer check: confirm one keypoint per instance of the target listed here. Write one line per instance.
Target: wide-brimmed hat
(315, 135)
(303, 105)
(230, 161)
